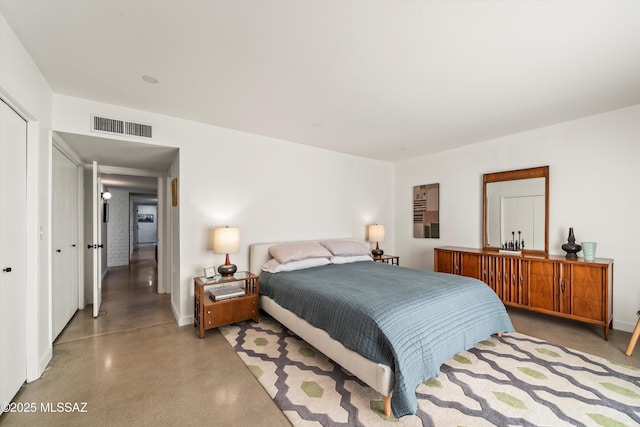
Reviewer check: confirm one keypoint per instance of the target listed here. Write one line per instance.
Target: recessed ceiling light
(149, 79)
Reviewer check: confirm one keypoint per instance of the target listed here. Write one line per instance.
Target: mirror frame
(537, 172)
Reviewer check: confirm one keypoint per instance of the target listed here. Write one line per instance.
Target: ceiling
(134, 161)
(108, 152)
(389, 80)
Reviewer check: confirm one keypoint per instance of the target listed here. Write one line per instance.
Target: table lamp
(226, 240)
(376, 234)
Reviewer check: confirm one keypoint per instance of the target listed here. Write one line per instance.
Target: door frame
(163, 208)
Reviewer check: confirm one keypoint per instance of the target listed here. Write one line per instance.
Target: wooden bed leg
(386, 401)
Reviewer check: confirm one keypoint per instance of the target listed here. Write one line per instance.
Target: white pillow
(287, 252)
(273, 266)
(346, 247)
(349, 259)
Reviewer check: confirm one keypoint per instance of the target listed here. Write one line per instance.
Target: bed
(392, 327)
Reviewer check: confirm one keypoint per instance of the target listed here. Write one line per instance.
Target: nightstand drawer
(229, 311)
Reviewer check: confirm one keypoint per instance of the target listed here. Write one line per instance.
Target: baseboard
(623, 326)
(181, 320)
(42, 364)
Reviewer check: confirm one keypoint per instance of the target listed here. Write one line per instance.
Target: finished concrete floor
(133, 366)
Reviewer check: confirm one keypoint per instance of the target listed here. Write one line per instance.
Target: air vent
(120, 127)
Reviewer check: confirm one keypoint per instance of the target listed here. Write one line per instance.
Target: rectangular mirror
(515, 210)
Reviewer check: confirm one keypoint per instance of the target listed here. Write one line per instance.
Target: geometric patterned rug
(514, 380)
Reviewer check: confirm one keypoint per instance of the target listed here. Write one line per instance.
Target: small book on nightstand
(222, 293)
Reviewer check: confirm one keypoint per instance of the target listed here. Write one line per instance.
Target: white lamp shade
(376, 233)
(226, 240)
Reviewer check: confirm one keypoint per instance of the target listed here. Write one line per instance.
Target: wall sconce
(226, 240)
(376, 234)
(105, 196)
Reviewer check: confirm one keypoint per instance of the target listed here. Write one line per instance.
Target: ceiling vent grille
(120, 127)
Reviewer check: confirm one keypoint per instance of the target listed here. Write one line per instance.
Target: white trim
(49, 233)
(44, 361)
(182, 321)
(168, 240)
(35, 234)
(64, 148)
(160, 242)
(81, 240)
(129, 171)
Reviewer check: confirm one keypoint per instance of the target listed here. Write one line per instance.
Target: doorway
(126, 169)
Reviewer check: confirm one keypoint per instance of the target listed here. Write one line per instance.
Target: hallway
(130, 300)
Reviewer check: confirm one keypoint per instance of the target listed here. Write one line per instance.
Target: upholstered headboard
(258, 255)
(259, 252)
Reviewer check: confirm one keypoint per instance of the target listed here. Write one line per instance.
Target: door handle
(7, 270)
(73, 246)
(58, 250)
(101, 246)
(91, 246)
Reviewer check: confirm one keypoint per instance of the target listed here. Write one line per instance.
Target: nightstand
(389, 259)
(209, 314)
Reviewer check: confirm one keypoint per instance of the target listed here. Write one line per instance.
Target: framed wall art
(426, 211)
(174, 192)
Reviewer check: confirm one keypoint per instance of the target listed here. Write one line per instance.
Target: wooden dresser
(573, 289)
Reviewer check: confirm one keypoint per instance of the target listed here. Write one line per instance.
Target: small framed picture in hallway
(174, 192)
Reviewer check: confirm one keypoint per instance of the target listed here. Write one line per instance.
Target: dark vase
(571, 248)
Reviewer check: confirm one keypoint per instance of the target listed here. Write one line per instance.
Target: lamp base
(227, 269)
(377, 253)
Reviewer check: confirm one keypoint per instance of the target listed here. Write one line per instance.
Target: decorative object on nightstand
(589, 250)
(376, 234)
(226, 240)
(571, 248)
(209, 272)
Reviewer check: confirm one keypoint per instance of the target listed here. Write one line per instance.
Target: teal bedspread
(410, 320)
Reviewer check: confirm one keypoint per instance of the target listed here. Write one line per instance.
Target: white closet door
(64, 241)
(13, 252)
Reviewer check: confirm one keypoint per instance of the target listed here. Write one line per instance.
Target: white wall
(24, 87)
(272, 189)
(118, 228)
(593, 187)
